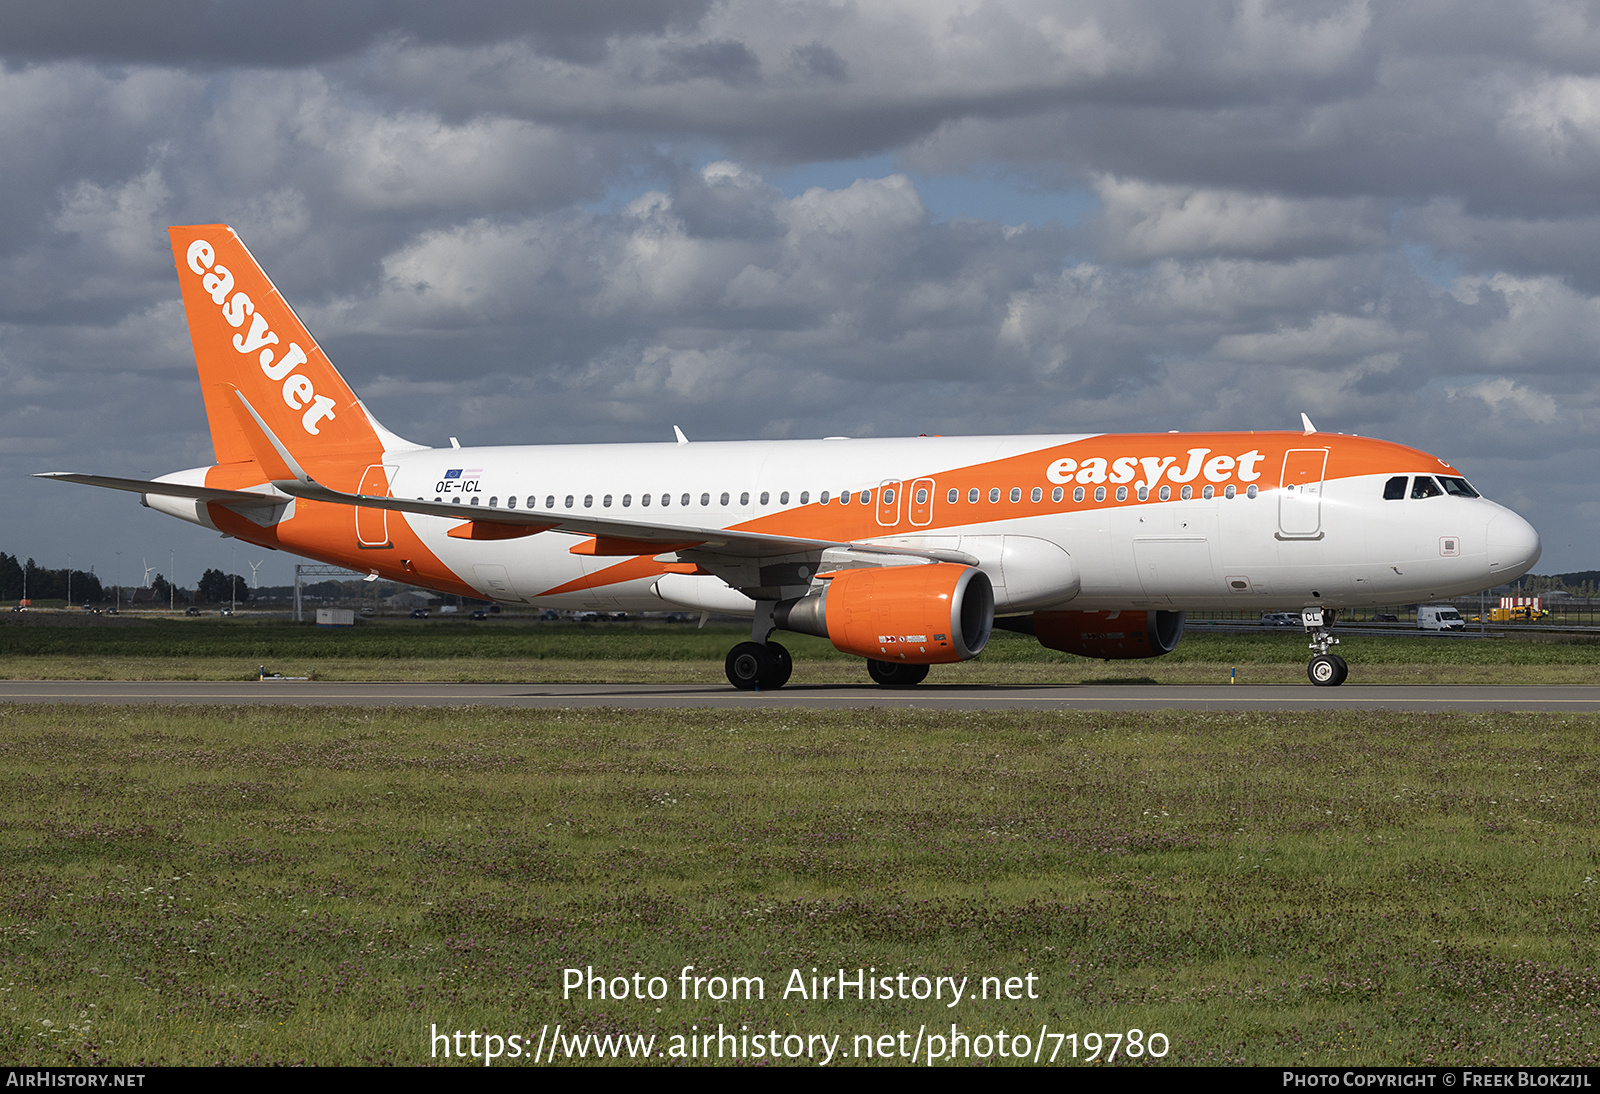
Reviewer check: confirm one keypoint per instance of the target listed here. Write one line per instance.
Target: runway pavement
(1280, 697)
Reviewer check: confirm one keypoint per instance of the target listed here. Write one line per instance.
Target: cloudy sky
(588, 220)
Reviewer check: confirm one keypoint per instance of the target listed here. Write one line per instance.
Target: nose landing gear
(1326, 670)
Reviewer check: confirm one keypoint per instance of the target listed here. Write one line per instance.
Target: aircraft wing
(628, 534)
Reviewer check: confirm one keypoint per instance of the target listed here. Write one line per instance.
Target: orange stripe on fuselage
(327, 532)
(1347, 457)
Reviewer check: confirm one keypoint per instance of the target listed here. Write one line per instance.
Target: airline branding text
(1155, 468)
(298, 391)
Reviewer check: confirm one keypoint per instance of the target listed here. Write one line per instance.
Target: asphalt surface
(1278, 697)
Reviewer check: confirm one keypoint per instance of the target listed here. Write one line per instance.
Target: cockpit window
(1395, 488)
(1458, 488)
(1425, 487)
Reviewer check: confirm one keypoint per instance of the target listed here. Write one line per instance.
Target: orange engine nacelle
(927, 614)
(1115, 636)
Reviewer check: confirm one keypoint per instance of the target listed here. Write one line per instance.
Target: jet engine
(923, 614)
(1114, 636)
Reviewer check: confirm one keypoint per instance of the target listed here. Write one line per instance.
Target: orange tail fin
(247, 338)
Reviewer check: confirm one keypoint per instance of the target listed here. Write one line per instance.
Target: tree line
(42, 583)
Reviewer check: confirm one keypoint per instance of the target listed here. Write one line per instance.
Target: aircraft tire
(750, 667)
(1327, 670)
(782, 663)
(896, 674)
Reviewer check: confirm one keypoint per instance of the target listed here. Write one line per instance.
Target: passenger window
(1395, 488)
(805, 497)
(765, 497)
(569, 501)
(994, 494)
(922, 497)
(1016, 494)
(1037, 495)
(844, 497)
(866, 497)
(724, 499)
(1055, 495)
(783, 498)
(1425, 487)
(588, 501)
(1166, 493)
(1143, 493)
(550, 502)
(744, 498)
(972, 496)
(823, 499)
(1099, 493)
(494, 501)
(1077, 493)
(1122, 493)
(705, 499)
(627, 500)
(606, 501)
(644, 500)
(1209, 492)
(474, 501)
(1251, 491)
(1186, 493)
(953, 495)
(1229, 491)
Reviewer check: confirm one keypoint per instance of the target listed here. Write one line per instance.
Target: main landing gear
(1327, 670)
(758, 666)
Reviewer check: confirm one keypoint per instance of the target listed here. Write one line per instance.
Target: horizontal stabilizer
(236, 498)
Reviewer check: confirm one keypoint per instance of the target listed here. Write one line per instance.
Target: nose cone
(1513, 547)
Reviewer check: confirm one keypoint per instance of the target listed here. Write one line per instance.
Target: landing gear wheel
(783, 665)
(1327, 670)
(896, 674)
(750, 667)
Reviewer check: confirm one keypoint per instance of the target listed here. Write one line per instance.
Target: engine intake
(925, 614)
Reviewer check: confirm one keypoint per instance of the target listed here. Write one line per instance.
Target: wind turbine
(148, 569)
(255, 579)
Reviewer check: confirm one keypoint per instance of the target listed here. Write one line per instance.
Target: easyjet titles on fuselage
(1216, 469)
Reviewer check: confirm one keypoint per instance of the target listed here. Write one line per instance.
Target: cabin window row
(974, 495)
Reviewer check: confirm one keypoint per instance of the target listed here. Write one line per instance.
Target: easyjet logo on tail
(299, 393)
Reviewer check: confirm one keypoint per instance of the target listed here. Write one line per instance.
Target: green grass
(270, 885)
(503, 650)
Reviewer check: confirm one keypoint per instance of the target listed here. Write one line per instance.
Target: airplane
(906, 552)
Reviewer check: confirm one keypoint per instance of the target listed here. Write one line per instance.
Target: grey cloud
(215, 33)
(1384, 216)
(730, 62)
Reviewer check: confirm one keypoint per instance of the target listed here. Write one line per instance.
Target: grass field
(261, 885)
(503, 650)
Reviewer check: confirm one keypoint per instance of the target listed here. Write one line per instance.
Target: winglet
(681, 438)
(1305, 420)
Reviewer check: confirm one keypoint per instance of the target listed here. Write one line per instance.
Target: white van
(1439, 617)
